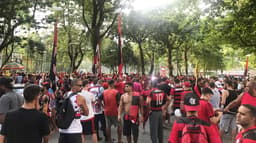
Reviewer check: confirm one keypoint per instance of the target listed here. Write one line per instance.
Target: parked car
(18, 88)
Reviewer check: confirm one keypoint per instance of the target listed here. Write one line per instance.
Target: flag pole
(120, 61)
(53, 70)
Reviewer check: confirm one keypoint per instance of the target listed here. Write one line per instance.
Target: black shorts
(130, 127)
(88, 127)
(70, 138)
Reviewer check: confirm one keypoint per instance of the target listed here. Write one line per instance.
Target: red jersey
(206, 111)
(248, 99)
(176, 93)
(179, 124)
(110, 97)
(120, 87)
(247, 136)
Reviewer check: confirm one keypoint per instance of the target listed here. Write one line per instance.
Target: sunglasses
(79, 85)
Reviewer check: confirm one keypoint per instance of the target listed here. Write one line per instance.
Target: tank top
(248, 99)
(231, 96)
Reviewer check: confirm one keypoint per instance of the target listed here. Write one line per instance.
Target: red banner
(120, 60)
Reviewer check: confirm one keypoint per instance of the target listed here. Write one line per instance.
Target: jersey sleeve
(5, 125)
(4, 104)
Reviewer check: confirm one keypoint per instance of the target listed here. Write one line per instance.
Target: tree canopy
(180, 35)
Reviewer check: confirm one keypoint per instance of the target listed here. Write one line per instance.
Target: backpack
(194, 132)
(250, 134)
(65, 112)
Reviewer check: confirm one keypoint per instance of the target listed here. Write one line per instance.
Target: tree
(72, 34)
(110, 55)
(98, 17)
(137, 29)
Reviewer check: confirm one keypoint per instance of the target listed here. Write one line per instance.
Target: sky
(146, 5)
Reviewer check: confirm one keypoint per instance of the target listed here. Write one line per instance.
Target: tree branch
(84, 19)
(114, 19)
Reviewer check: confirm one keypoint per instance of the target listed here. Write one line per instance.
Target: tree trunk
(142, 59)
(8, 55)
(94, 41)
(177, 61)
(169, 47)
(152, 64)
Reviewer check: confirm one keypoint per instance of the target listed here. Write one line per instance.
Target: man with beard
(247, 97)
(246, 117)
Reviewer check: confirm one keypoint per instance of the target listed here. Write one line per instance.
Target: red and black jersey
(158, 99)
(179, 124)
(176, 93)
(247, 136)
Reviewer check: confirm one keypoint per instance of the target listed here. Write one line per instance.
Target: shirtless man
(131, 103)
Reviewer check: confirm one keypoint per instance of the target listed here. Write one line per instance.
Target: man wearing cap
(191, 105)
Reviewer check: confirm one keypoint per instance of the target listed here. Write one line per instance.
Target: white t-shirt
(90, 98)
(97, 91)
(76, 126)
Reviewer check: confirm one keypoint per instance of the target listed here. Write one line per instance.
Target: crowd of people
(205, 109)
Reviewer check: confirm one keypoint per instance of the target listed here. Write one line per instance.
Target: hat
(191, 102)
(187, 84)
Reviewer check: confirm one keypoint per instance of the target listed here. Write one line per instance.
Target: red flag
(246, 67)
(54, 53)
(96, 61)
(120, 61)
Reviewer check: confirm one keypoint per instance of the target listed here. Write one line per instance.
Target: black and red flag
(246, 66)
(120, 59)
(54, 54)
(96, 61)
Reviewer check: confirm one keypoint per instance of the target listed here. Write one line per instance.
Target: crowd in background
(219, 100)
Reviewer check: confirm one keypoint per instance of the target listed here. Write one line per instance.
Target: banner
(53, 70)
(96, 61)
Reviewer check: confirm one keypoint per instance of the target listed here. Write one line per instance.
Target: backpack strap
(71, 94)
(250, 134)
